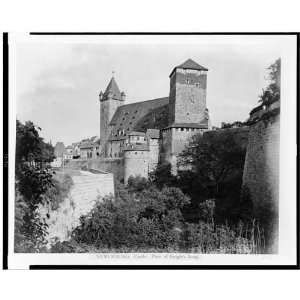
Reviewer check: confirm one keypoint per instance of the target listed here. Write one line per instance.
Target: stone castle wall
(136, 163)
(261, 170)
(115, 166)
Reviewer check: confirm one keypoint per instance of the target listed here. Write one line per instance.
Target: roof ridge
(126, 105)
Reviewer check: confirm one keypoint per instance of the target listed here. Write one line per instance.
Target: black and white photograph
(152, 149)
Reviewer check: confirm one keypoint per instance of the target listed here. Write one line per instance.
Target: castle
(147, 132)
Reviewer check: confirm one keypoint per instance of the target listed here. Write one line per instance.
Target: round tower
(136, 162)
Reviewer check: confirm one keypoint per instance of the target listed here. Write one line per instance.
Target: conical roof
(190, 64)
(114, 89)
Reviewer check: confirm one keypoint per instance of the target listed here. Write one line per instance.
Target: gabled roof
(127, 116)
(114, 89)
(191, 65)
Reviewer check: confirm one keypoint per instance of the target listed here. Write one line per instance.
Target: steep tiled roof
(153, 133)
(127, 116)
(113, 87)
(157, 118)
(190, 64)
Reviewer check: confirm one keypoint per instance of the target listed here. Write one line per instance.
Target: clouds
(58, 84)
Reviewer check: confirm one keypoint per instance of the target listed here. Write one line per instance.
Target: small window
(135, 153)
(138, 138)
(182, 129)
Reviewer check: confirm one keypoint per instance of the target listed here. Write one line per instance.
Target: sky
(58, 82)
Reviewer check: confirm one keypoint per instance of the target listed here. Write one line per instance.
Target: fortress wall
(136, 163)
(153, 154)
(261, 170)
(110, 165)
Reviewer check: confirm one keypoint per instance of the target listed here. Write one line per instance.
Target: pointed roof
(190, 64)
(113, 87)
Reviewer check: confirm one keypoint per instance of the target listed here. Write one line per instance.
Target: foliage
(272, 92)
(30, 147)
(232, 125)
(137, 183)
(33, 180)
(213, 159)
(31, 185)
(148, 220)
(56, 194)
(162, 175)
(153, 222)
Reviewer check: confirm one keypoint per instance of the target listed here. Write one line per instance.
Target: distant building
(68, 154)
(89, 148)
(59, 149)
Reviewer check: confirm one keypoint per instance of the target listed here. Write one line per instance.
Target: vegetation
(55, 195)
(33, 180)
(272, 92)
(151, 220)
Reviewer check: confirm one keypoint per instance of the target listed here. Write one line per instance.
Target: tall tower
(187, 99)
(110, 100)
(188, 114)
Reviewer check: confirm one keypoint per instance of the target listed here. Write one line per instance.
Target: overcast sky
(58, 83)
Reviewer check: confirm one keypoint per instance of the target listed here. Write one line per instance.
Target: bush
(137, 183)
(152, 221)
(147, 221)
(31, 185)
(56, 194)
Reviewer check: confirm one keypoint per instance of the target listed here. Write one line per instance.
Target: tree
(212, 158)
(30, 147)
(162, 176)
(134, 220)
(272, 92)
(33, 180)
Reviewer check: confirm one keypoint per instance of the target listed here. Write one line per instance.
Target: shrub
(56, 194)
(146, 221)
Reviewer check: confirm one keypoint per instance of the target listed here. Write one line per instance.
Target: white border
(287, 242)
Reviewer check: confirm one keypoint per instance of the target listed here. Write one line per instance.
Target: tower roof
(190, 64)
(114, 89)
